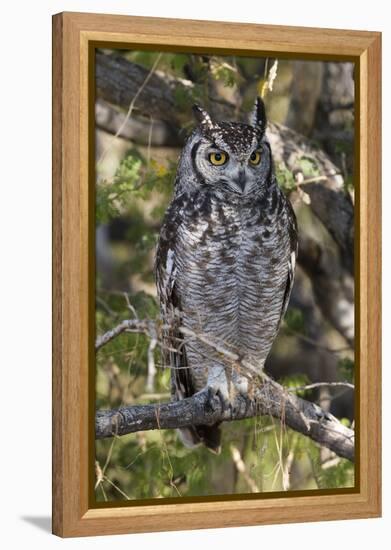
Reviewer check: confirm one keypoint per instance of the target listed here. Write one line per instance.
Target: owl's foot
(218, 387)
(217, 399)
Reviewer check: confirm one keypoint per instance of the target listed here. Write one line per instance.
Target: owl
(225, 261)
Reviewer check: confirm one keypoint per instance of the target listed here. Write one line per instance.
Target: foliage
(134, 179)
(308, 167)
(221, 70)
(296, 381)
(285, 177)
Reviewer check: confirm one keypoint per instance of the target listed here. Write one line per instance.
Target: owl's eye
(218, 159)
(255, 158)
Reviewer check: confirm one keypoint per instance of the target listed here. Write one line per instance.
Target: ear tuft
(258, 116)
(203, 117)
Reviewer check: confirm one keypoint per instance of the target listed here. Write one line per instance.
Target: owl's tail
(210, 436)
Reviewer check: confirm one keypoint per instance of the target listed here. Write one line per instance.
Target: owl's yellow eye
(255, 158)
(218, 159)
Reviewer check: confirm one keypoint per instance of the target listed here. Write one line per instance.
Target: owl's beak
(241, 179)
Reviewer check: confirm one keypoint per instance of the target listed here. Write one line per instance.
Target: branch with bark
(119, 80)
(271, 399)
(266, 398)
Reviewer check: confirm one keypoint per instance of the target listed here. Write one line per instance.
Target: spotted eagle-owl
(225, 260)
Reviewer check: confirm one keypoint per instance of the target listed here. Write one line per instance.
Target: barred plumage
(225, 259)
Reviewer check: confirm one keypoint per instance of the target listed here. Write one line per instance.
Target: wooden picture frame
(74, 37)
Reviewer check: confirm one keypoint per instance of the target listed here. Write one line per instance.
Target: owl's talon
(225, 402)
(217, 400)
(213, 400)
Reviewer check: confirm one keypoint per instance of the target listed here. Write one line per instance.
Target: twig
(121, 492)
(241, 468)
(132, 325)
(103, 492)
(130, 306)
(322, 385)
(166, 454)
(286, 473)
(99, 474)
(313, 180)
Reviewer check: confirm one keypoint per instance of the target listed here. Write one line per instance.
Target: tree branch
(267, 398)
(136, 129)
(129, 325)
(329, 279)
(323, 385)
(271, 399)
(119, 80)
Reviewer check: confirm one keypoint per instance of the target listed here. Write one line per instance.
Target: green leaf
(308, 166)
(226, 74)
(296, 381)
(284, 177)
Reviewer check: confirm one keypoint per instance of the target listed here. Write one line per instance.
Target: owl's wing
(174, 350)
(292, 228)
(174, 347)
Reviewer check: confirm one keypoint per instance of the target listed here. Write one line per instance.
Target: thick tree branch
(137, 129)
(271, 399)
(335, 209)
(119, 80)
(267, 398)
(329, 279)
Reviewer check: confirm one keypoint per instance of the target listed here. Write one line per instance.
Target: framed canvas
(202, 377)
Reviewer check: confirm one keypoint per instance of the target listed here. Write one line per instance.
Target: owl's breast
(233, 266)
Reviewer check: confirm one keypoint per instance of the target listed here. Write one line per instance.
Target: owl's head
(229, 156)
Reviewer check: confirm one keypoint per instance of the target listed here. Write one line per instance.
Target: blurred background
(143, 114)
